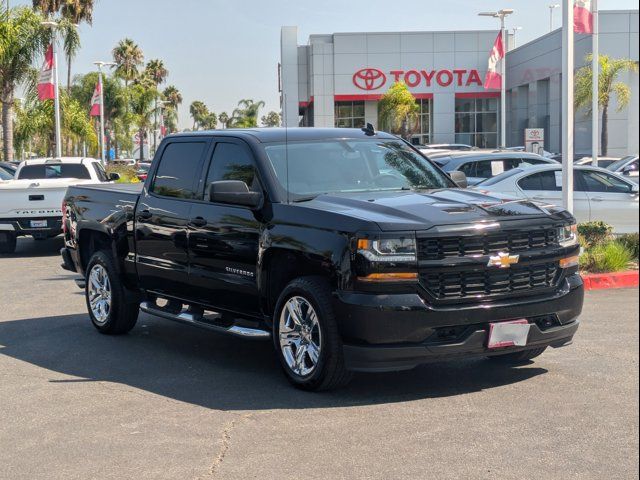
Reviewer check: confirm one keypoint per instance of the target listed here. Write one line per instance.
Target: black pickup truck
(347, 248)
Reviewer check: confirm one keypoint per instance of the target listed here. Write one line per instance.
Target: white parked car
(598, 193)
(627, 167)
(31, 203)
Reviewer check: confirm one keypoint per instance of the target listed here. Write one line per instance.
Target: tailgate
(29, 202)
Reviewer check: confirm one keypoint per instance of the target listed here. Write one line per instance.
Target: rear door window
(543, 181)
(179, 169)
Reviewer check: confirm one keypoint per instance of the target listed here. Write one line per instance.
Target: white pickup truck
(31, 203)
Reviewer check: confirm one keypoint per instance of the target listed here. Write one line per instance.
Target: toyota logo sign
(369, 79)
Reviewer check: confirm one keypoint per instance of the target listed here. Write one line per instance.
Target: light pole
(567, 104)
(501, 14)
(595, 92)
(100, 64)
(552, 7)
(515, 30)
(56, 95)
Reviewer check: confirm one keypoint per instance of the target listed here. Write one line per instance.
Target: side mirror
(233, 192)
(628, 170)
(459, 178)
(114, 177)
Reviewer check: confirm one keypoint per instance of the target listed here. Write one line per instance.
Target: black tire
(519, 357)
(7, 242)
(124, 306)
(330, 371)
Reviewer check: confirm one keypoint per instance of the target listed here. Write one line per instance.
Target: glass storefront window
(423, 126)
(349, 114)
(476, 122)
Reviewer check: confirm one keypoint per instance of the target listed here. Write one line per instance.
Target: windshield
(59, 170)
(4, 175)
(343, 166)
(620, 163)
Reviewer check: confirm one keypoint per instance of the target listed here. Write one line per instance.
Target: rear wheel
(7, 242)
(519, 357)
(112, 309)
(306, 337)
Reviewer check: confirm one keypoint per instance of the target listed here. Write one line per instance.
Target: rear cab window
(60, 170)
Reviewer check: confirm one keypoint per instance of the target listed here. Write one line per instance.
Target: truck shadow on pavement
(219, 372)
(30, 248)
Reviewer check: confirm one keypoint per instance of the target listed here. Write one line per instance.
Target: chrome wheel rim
(99, 291)
(300, 336)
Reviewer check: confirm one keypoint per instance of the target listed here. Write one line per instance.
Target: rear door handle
(597, 199)
(144, 215)
(198, 222)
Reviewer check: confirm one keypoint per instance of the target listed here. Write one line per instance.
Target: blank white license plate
(38, 223)
(509, 334)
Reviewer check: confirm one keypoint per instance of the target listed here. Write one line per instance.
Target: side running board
(200, 321)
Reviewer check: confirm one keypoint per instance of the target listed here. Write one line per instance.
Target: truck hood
(422, 210)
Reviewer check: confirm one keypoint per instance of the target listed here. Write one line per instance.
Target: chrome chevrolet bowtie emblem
(503, 260)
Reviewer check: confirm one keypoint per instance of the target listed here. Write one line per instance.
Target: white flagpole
(503, 87)
(56, 98)
(595, 93)
(101, 114)
(567, 104)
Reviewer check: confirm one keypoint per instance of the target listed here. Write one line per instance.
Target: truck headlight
(386, 259)
(568, 235)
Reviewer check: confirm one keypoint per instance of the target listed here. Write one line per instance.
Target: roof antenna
(286, 141)
(369, 131)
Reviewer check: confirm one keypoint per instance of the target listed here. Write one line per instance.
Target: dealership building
(338, 79)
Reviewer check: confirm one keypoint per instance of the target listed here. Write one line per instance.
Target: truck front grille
(478, 284)
(439, 248)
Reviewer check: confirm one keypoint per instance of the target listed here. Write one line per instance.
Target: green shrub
(592, 234)
(630, 240)
(606, 257)
(128, 174)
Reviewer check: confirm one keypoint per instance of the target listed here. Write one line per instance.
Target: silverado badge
(503, 260)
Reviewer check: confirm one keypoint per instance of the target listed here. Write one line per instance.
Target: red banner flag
(46, 88)
(582, 17)
(95, 102)
(493, 80)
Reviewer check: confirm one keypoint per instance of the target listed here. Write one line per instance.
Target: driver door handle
(597, 199)
(198, 222)
(144, 215)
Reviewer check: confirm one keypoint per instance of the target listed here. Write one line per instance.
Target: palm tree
(156, 70)
(142, 107)
(76, 12)
(198, 111)
(172, 95)
(224, 118)
(246, 115)
(47, 7)
(22, 41)
(271, 119)
(128, 56)
(210, 121)
(610, 68)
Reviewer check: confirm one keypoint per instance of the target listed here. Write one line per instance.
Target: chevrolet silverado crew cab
(347, 248)
(30, 203)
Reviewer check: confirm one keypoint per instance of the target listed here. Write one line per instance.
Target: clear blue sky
(222, 51)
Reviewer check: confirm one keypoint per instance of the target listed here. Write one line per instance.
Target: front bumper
(399, 332)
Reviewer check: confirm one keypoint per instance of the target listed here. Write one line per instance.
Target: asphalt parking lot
(169, 401)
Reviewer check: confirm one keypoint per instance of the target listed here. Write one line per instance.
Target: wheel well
(90, 242)
(282, 266)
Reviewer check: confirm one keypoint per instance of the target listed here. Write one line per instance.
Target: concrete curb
(601, 281)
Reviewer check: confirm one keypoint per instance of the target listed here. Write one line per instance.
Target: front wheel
(111, 308)
(306, 337)
(7, 242)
